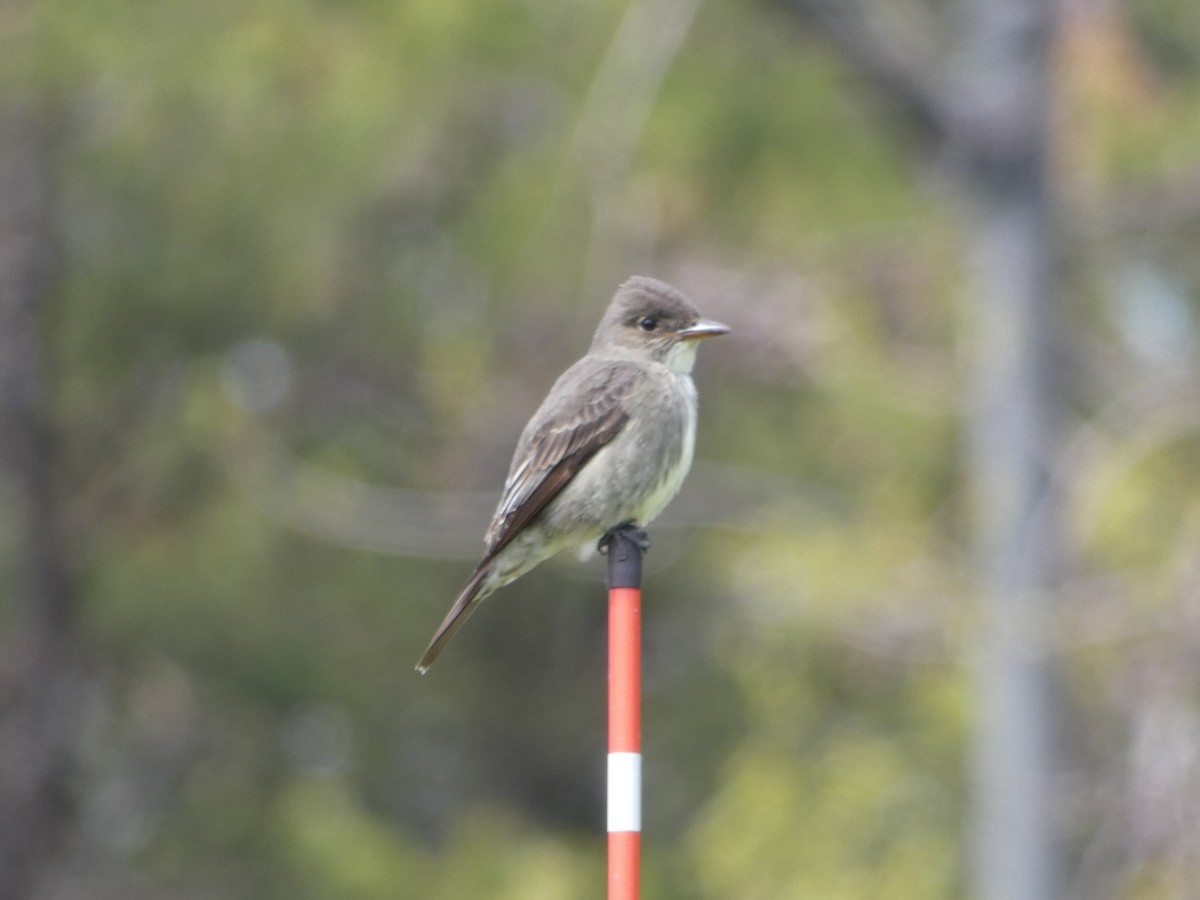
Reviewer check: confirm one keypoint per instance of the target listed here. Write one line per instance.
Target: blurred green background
(296, 273)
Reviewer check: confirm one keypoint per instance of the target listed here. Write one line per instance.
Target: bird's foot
(626, 531)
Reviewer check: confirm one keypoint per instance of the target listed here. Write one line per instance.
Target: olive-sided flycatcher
(609, 446)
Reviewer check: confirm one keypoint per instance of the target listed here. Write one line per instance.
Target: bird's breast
(674, 453)
(635, 476)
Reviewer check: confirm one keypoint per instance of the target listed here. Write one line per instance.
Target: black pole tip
(624, 546)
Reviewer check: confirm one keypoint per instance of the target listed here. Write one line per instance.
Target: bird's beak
(703, 328)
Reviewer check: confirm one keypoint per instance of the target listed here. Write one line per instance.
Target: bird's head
(655, 321)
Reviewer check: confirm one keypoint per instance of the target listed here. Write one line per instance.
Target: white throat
(682, 357)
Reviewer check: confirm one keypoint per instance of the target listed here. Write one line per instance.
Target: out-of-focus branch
(1171, 201)
(41, 681)
(896, 70)
(614, 117)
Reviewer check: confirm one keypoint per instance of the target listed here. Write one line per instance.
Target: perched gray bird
(610, 444)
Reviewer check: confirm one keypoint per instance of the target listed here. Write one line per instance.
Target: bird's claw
(628, 531)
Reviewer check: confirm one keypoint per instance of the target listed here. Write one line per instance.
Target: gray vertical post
(1002, 136)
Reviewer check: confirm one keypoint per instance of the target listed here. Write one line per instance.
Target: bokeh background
(280, 283)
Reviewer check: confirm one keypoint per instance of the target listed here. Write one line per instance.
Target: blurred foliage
(316, 264)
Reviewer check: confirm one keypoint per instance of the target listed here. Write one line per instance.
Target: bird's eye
(648, 324)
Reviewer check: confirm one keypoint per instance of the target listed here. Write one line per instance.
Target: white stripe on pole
(624, 792)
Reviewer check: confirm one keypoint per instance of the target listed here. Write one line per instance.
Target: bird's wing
(558, 443)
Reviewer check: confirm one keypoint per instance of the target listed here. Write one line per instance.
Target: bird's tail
(472, 595)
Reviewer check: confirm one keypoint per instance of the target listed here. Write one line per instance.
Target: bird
(608, 447)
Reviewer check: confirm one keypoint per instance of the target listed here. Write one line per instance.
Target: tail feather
(472, 595)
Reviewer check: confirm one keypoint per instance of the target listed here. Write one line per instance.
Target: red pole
(624, 712)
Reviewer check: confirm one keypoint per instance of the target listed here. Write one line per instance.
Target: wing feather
(558, 442)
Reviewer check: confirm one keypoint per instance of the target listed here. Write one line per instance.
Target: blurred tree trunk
(1002, 132)
(41, 676)
(991, 118)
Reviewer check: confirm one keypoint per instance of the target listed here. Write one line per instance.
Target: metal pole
(625, 546)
